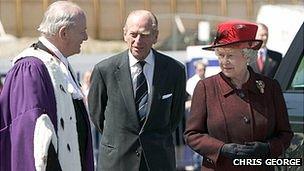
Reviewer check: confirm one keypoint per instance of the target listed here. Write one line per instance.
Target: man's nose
(225, 60)
(138, 37)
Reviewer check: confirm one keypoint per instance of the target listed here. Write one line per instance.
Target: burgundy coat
(219, 116)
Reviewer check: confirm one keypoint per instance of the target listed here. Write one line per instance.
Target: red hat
(236, 32)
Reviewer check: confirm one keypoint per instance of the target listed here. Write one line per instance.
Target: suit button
(137, 153)
(246, 120)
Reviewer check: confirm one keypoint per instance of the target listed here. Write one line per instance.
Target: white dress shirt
(262, 53)
(191, 83)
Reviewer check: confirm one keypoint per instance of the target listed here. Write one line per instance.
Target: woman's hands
(249, 150)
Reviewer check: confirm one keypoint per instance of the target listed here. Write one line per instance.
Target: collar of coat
(227, 87)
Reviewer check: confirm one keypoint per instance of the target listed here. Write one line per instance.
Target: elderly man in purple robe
(43, 120)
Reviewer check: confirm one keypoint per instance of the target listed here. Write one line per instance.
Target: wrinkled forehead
(139, 23)
(80, 22)
(262, 32)
(228, 50)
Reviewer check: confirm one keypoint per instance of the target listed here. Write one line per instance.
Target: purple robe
(27, 94)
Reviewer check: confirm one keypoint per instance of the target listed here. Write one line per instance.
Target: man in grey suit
(136, 101)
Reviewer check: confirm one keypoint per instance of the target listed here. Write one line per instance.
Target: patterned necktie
(141, 97)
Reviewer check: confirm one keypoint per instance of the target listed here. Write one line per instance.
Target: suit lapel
(159, 78)
(123, 77)
(159, 70)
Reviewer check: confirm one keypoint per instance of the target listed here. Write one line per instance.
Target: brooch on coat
(260, 85)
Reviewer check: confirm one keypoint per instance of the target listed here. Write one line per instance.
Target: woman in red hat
(238, 117)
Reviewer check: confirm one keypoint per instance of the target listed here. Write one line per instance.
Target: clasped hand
(248, 150)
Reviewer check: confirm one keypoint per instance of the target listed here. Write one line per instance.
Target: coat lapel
(159, 70)
(123, 77)
(159, 78)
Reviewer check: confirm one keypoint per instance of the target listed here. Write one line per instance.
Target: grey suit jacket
(112, 110)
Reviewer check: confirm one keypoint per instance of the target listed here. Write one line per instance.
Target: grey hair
(262, 25)
(250, 54)
(59, 14)
(143, 12)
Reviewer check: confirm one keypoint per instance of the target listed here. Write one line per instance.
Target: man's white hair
(152, 17)
(202, 61)
(59, 14)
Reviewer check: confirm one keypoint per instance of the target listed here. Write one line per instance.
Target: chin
(227, 74)
(137, 55)
(78, 51)
(74, 53)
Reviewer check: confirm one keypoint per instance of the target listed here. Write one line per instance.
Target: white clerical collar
(133, 61)
(77, 93)
(54, 49)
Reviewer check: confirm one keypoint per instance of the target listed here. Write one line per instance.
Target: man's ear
(124, 34)
(63, 32)
(155, 37)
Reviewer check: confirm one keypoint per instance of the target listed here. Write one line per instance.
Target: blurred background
(181, 22)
